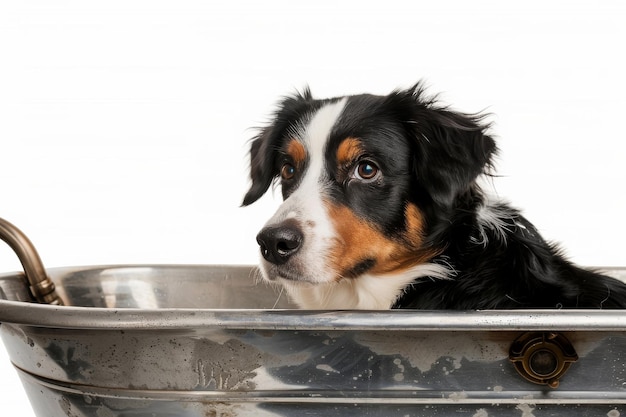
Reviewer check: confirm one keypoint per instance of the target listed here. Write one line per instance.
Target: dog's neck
(367, 292)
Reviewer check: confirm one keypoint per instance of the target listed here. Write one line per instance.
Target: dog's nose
(278, 243)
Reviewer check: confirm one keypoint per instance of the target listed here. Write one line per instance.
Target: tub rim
(99, 318)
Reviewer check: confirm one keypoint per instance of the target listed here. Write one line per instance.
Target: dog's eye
(366, 170)
(287, 171)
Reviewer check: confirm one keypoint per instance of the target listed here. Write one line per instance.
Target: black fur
(432, 156)
(517, 270)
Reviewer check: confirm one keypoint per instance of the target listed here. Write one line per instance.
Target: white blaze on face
(306, 203)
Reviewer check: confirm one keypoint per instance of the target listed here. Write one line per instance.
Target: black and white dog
(382, 210)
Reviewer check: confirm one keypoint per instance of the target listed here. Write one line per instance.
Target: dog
(382, 208)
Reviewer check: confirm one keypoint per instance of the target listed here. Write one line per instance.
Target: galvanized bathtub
(208, 341)
(204, 341)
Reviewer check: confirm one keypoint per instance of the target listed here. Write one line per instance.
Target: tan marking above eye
(349, 151)
(297, 152)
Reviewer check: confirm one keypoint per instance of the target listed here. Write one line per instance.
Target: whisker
(278, 299)
(256, 276)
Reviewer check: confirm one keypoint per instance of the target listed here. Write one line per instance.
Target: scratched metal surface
(202, 341)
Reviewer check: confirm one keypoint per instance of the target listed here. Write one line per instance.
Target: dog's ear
(264, 147)
(452, 149)
(261, 165)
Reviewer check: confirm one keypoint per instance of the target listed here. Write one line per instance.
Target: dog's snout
(278, 243)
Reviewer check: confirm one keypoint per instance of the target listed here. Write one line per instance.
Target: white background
(124, 124)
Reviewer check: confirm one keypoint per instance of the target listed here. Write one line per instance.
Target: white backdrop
(124, 124)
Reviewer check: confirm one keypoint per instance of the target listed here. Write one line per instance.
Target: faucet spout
(41, 287)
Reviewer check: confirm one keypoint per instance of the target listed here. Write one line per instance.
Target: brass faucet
(41, 287)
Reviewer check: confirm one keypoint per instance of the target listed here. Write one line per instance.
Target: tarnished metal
(200, 341)
(41, 286)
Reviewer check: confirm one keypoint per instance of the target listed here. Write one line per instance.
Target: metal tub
(208, 341)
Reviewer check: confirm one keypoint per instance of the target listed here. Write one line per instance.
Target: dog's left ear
(452, 149)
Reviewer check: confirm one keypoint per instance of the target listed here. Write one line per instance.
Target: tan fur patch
(348, 151)
(297, 151)
(359, 241)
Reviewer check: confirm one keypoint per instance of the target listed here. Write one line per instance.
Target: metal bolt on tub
(542, 358)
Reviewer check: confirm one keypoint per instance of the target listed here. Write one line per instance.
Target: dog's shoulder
(501, 261)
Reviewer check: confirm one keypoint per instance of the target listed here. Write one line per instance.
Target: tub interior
(166, 286)
(155, 287)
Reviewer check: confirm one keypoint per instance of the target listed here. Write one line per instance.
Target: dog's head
(364, 181)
